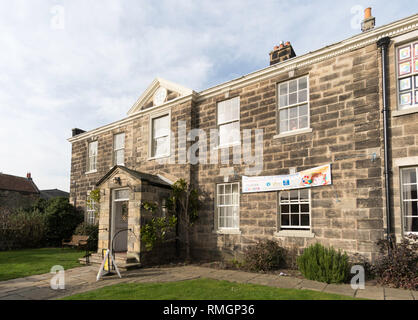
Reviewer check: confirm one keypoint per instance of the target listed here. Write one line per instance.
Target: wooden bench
(76, 241)
(79, 242)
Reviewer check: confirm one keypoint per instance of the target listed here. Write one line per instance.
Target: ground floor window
(295, 209)
(92, 209)
(409, 199)
(227, 203)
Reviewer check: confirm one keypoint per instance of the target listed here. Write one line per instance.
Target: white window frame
(299, 202)
(413, 75)
(234, 120)
(289, 106)
(151, 135)
(119, 149)
(90, 157)
(219, 206)
(404, 200)
(91, 209)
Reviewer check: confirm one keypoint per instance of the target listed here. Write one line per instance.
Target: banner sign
(319, 176)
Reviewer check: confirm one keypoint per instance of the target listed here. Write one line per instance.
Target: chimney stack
(281, 53)
(29, 176)
(77, 131)
(369, 21)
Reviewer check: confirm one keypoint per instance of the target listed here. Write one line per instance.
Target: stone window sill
(228, 231)
(295, 233)
(92, 171)
(292, 133)
(398, 113)
(159, 157)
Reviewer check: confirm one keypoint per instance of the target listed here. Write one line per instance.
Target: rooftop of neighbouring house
(20, 184)
(53, 193)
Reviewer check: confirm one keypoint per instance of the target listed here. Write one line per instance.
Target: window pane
(283, 88)
(229, 134)
(303, 83)
(304, 194)
(284, 126)
(409, 176)
(160, 146)
(303, 122)
(119, 141)
(293, 124)
(303, 110)
(235, 188)
(284, 196)
(119, 157)
(283, 101)
(411, 224)
(228, 110)
(293, 98)
(221, 189)
(304, 220)
(293, 86)
(284, 208)
(294, 195)
(160, 126)
(121, 194)
(293, 112)
(285, 220)
(303, 96)
(304, 208)
(294, 219)
(405, 84)
(294, 208)
(283, 114)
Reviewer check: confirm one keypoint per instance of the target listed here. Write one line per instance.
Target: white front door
(120, 220)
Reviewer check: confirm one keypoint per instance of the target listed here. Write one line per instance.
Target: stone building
(17, 192)
(340, 107)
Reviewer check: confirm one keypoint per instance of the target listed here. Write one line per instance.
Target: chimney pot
(281, 53)
(369, 21)
(29, 176)
(77, 131)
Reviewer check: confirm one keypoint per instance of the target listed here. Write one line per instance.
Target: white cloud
(91, 72)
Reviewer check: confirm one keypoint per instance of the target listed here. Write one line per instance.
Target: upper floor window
(160, 143)
(409, 194)
(227, 203)
(119, 149)
(294, 206)
(407, 69)
(294, 105)
(92, 157)
(228, 122)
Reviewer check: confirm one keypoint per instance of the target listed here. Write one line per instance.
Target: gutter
(383, 44)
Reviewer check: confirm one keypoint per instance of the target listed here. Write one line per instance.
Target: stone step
(123, 266)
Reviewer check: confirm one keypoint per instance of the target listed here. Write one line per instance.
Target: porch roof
(150, 178)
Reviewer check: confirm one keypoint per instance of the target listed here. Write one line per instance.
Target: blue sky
(73, 63)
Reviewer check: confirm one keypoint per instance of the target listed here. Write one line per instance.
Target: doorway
(120, 214)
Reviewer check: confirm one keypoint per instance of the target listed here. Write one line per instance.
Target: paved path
(83, 279)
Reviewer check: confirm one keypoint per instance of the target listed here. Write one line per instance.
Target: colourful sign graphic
(319, 176)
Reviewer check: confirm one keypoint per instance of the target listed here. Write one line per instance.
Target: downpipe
(383, 44)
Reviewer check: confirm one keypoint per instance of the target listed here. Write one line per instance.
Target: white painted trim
(92, 171)
(155, 84)
(228, 231)
(398, 113)
(152, 116)
(295, 233)
(292, 133)
(165, 179)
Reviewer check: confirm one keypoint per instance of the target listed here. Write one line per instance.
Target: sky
(82, 64)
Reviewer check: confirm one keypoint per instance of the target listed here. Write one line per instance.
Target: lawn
(201, 289)
(23, 263)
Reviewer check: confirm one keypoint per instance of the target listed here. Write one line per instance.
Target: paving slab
(14, 297)
(369, 292)
(397, 294)
(343, 289)
(311, 285)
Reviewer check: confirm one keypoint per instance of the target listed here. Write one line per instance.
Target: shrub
(91, 230)
(266, 255)
(25, 229)
(399, 268)
(62, 219)
(324, 264)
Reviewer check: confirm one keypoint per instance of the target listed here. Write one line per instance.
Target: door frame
(112, 215)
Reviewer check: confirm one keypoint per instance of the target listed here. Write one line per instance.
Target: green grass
(201, 289)
(27, 262)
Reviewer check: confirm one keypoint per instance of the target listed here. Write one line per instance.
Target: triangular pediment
(159, 92)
